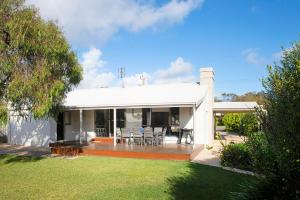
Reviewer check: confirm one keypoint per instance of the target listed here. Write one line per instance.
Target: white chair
(157, 134)
(126, 134)
(137, 136)
(148, 135)
(119, 135)
(161, 136)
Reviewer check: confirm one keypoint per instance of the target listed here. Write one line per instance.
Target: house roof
(235, 106)
(182, 94)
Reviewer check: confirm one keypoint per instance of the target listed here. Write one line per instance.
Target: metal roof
(235, 106)
(187, 94)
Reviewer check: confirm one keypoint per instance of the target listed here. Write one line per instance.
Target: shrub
(237, 156)
(242, 124)
(260, 152)
(280, 160)
(249, 124)
(232, 122)
(253, 155)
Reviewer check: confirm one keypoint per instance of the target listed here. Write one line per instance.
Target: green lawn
(112, 178)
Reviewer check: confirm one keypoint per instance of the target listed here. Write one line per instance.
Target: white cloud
(92, 59)
(178, 71)
(137, 79)
(85, 20)
(252, 56)
(95, 74)
(92, 64)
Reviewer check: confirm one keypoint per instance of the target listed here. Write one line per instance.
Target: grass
(24, 177)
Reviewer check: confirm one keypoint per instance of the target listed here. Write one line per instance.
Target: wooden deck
(164, 152)
(161, 152)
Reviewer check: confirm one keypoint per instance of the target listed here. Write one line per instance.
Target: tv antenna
(121, 75)
(143, 78)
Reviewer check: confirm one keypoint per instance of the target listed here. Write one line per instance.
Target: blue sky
(168, 41)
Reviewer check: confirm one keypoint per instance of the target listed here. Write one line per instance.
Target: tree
(249, 96)
(281, 123)
(232, 122)
(37, 66)
(278, 153)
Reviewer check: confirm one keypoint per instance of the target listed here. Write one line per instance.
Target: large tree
(276, 151)
(249, 96)
(37, 65)
(281, 123)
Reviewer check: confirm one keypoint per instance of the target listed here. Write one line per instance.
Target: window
(174, 116)
(121, 118)
(146, 117)
(99, 118)
(160, 119)
(67, 118)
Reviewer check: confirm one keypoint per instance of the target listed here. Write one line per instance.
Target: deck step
(103, 140)
(135, 154)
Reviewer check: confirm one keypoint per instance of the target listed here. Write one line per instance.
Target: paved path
(210, 156)
(22, 150)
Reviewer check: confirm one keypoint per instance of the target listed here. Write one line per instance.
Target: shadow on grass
(7, 159)
(205, 182)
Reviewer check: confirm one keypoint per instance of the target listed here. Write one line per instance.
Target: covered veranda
(233, 107)
(175, 123)
(95, 115)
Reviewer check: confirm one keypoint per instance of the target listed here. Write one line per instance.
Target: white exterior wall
(207, 78)
(201, 130)
(71, 131)
(31, 132)
(133, 118)
(89, 123)
(186, 117)
(203, 124)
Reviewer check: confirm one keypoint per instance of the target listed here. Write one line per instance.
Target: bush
(252, 155)
(232, 122)
(279, 157)
(249, 124)
(242, 124)
(237, 156)
(260, 152)
(262, 188)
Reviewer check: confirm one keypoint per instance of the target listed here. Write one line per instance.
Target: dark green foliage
(232, 122)
(281, 123)
(237, 156)
(279, 156)
(240, 123)
(249, 124)
(265, 189)
(254, 154)
(261, 155)
(37, 66)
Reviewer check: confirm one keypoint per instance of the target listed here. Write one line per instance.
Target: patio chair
(161, 136)
(126, 134)
(137, 136)
(119, 135)
(157, 133)
(148, 135)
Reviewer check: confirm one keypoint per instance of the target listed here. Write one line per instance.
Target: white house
(91, 113)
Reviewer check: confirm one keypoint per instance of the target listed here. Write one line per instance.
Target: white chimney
(207, 78)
